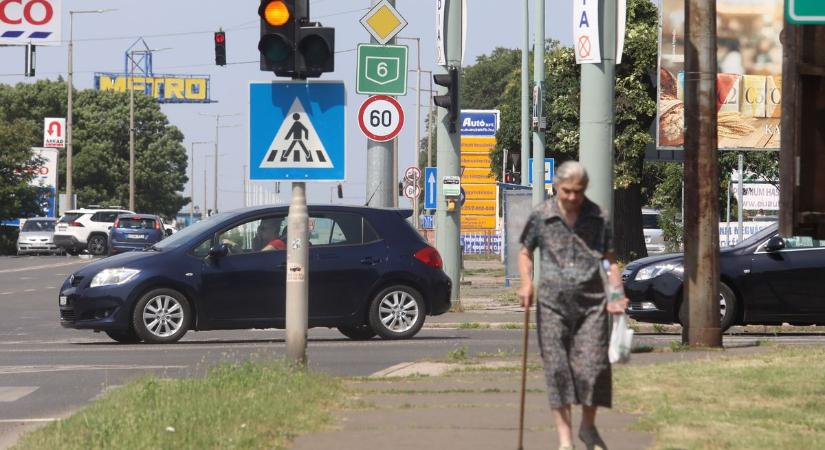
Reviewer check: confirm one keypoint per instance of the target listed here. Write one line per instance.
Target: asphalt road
(47, 371)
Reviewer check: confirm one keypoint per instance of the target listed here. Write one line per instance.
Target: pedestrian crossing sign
(297, 131)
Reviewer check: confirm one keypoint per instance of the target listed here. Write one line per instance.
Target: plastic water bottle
(614, 292)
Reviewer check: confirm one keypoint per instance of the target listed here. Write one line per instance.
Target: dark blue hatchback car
(134, 232)
(370, 273)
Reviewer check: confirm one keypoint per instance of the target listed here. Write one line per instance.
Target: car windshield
(183, 236)
(650, 221)
(39, 225)
(758, 236)
(137, 222)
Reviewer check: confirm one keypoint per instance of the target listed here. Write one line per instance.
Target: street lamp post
(217, 126)
(69, 88)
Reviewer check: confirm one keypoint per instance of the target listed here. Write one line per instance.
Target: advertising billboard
(749, 78)
(478, 139)
(163, 88)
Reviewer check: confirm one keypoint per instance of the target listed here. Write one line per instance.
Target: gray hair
(572, 171)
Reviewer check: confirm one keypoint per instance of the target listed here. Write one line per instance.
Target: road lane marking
(14, 393)
(8, 370)
(6, 293)
(38, 420)
(29, 290)
(46, 266)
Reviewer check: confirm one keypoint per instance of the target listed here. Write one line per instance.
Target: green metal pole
(448, 224)
(525, 97)
(538, 80)
(597, 117)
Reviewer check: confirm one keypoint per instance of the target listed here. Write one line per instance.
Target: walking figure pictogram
(298, 132)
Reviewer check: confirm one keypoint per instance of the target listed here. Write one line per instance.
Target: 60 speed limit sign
(381, 118)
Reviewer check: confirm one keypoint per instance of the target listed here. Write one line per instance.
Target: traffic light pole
(381, 162)
(297, 276)
(448, 223)
(525, 96)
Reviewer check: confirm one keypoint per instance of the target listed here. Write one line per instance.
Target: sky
(186, 28)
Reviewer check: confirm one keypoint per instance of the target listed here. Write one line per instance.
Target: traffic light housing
(291, 45)
(220, 48)
(448, 101)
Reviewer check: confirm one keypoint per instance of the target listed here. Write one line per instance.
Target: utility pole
(538, 132)
(131, 86)
(217, 126)
(597, 122)
(381, 161)
(192, 181)
(525, 94)
(448, 223)
(701, 292)
(416, 147)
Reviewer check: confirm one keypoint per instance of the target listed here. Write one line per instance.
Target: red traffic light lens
(220, 38)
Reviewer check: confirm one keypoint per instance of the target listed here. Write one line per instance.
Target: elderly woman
(575, 240)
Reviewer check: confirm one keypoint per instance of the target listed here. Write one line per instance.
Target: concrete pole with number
(448, 224)
(596, 129)
(297, 276)
(381, 168)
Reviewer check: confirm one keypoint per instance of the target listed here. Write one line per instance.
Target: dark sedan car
(766, 279)
(370, 273)
(134, 232)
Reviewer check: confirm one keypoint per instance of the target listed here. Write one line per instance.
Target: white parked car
(654, 239)
(86, 229)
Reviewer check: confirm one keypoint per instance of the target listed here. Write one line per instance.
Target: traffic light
(448, 101)
(30, 58)
(291, 45)
(220, 48)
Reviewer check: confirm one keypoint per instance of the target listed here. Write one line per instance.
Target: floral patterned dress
(571, 300)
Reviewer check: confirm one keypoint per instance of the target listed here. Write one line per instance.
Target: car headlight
(655, 270)
(109, 277)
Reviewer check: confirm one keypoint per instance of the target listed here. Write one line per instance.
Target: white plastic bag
(621, 340)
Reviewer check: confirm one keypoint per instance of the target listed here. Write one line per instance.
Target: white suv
(86, 228)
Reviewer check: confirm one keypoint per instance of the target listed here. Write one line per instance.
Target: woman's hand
(525, 294)
(617, 307)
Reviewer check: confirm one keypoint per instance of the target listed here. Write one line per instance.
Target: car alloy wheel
(97, 245)
(161, 316)
(728, 308)
(397, 312)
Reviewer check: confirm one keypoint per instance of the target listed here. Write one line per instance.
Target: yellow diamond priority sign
(383, 22)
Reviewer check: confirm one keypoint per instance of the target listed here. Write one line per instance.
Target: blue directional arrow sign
(430, 187)
(297, 131)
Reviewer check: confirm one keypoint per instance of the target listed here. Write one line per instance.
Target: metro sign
(30, 21)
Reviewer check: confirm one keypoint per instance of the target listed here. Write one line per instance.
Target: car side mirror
(775, 244)
(219, 251)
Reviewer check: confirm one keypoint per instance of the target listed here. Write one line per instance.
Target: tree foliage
(101, 144)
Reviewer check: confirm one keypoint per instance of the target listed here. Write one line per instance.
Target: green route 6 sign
(382, 69)
(802, 12)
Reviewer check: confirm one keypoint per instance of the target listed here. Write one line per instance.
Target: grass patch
(262, 405)
(768, 400)
(459, 354)
(472, 325)
(659, 328)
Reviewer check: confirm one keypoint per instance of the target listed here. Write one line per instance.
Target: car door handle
(369, 260)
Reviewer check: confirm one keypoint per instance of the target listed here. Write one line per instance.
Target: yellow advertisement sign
(470, 223)
(477, 144)
(479, 207)
(476, 160)
(163, 88)
(480, 191)
(475, 176)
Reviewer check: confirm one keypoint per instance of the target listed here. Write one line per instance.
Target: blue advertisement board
(479, 122)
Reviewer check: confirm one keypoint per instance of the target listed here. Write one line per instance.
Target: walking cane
(525, 336)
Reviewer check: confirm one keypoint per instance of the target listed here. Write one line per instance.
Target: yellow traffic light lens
(276, 13)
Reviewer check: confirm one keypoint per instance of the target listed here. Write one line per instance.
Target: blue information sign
(430, 187)
(549, 170)
(297, 131)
